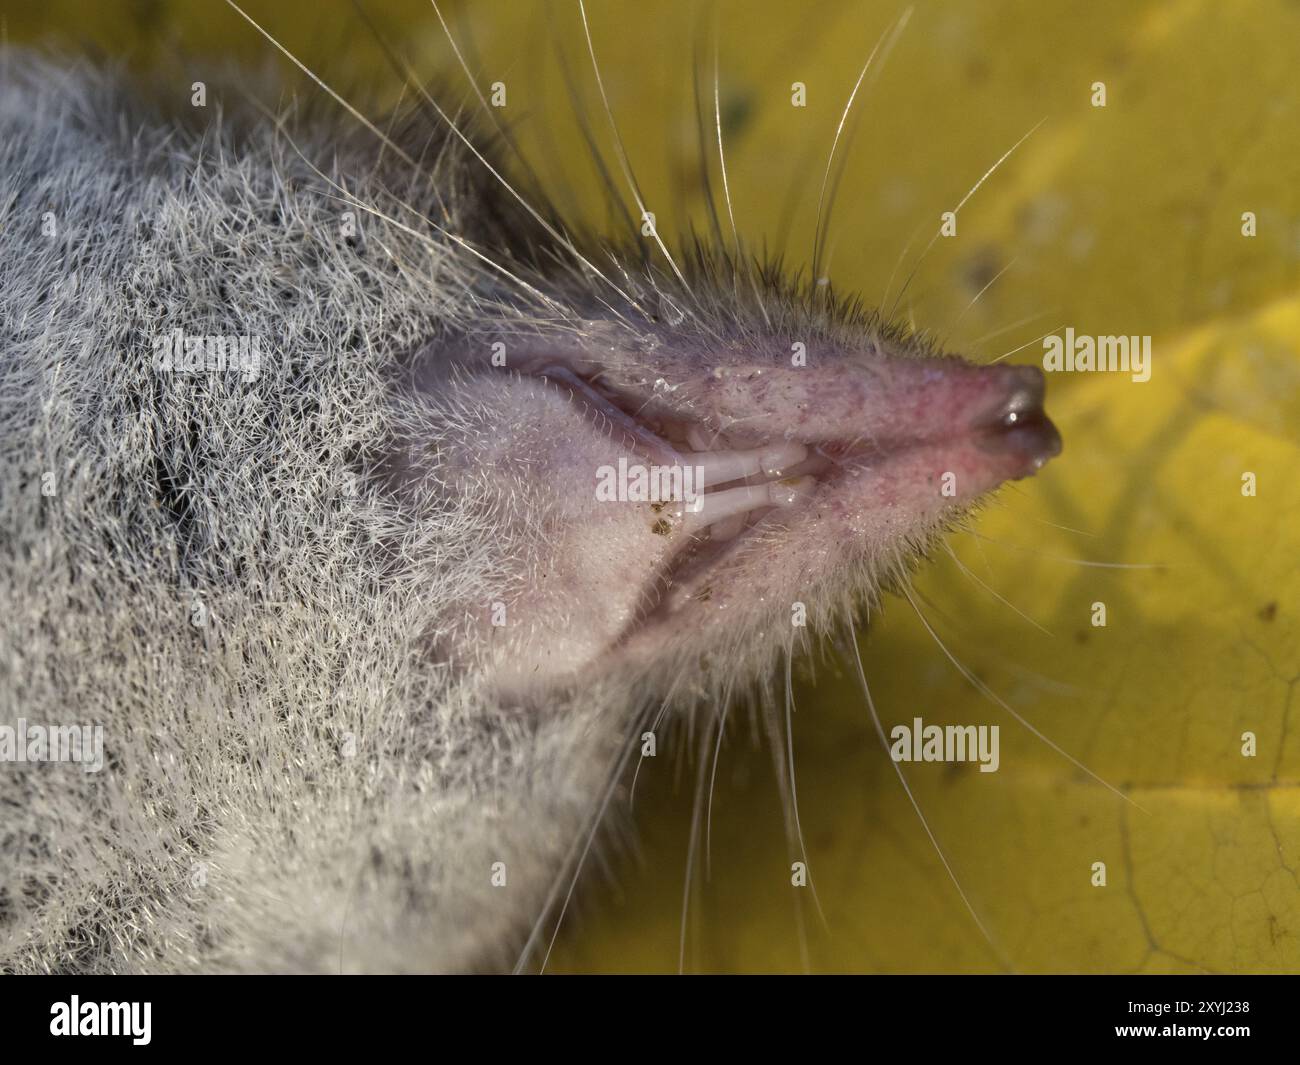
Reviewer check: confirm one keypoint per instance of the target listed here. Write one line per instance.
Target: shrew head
(666, 493)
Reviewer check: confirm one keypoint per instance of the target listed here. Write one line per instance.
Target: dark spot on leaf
(981, 268)
(736, 109)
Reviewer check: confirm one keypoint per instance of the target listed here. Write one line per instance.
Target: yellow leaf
(1122, 219)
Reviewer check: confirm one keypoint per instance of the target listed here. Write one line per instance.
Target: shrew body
(366, 643)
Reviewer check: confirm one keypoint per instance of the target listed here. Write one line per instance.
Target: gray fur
(233, 828)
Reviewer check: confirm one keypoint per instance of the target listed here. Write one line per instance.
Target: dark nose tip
(1018, 422)
(1024, 400)
(1038, 438)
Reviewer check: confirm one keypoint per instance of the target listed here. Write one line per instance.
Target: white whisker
(979, 295)
(794, 792)
(892, 33)
(701, 780)
(722, 157)
(957, 210)
(996, 595)
(713, 780)
(311, 74)
(884, 742)
(993, 696)
(1066, 558)
(622, 151)
(1027, 343)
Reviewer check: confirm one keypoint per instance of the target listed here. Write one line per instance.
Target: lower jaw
(897, 498)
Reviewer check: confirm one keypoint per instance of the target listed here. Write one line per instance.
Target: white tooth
(780, 457)
(791, 490)
(718, 506)
(722, 466)
(737, 502)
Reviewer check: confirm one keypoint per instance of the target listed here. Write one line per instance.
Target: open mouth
(741, 481)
